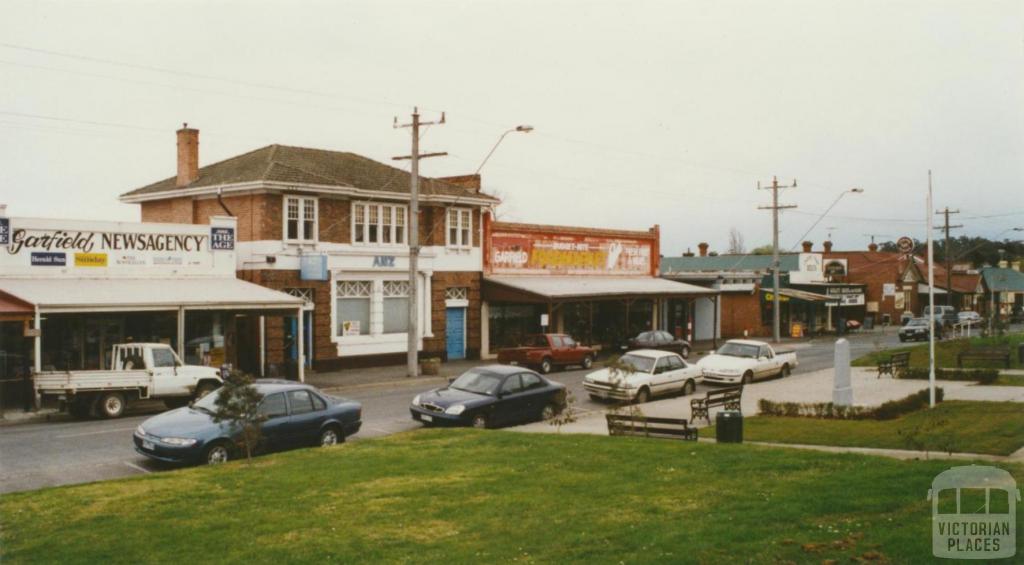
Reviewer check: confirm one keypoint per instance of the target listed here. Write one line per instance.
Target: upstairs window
(300, 217)
(382, 224)
(460, 228)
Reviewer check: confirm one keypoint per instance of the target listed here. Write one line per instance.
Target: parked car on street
(545, 352)
(970, 318)
(663, 341)
(298, 415)
(139, 371)
(917, 330)
(946, 315)
(646, 373)
(743, 361)
(490, 397)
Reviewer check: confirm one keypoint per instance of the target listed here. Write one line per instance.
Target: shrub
(983, 376)
(887, 411)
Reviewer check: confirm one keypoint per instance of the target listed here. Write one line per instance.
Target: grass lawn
(1009, 380)
(945, 353)
(995, 428)
(468, 496)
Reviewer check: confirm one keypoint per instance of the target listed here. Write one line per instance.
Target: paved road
(66, 452)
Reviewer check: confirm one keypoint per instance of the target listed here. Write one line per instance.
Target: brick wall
(259, 215)
(323, 348)
(175, 210)
(335, 220)
(741, 311)
(440, 282)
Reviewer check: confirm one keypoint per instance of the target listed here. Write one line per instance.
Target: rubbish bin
(729, 426)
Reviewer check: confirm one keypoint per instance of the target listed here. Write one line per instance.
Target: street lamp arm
(523, 129)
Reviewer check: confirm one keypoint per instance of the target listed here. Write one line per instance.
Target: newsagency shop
(71, 289)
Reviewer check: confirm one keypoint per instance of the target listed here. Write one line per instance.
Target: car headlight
(140, 431)
(178, 441)
(455, 410)
(416, 400)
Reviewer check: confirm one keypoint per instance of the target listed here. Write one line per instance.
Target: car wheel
(549, 412)
(204, 389)
(748, 377)
(330, 436)
(643, 395)
(111, 405)
(785, 371)
(217, 453)
(689, 388)
(588, 362)
(545, 365)
(685, 352)
(480, 422)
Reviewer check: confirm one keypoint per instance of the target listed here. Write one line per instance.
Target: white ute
(140, 371)
(744, 361)
(653, 373)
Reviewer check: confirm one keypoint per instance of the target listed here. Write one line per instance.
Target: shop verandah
(598, 311)
(72, 324)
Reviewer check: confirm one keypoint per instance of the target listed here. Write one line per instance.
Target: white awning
(562, 286)
(112, 295)
(923, 289)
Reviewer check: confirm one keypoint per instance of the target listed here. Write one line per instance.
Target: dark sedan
(491, 396)
(296, 415)
(662, 341)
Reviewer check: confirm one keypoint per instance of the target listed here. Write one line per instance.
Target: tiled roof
(1000, 279)
(302, 165)
(718, 263)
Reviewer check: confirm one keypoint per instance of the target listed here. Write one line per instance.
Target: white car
(743, 361)
(648, 373)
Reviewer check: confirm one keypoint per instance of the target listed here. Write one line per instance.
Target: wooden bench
(647, 426)
(894, 363)
(729, 397)
(984, 354)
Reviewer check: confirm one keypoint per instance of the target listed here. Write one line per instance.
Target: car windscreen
(207, 403)
(638, 363)
(646, 337)
(918, 322)
(731, 349)
(480, 382)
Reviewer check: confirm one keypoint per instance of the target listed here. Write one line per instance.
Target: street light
(521, 129)
(855, 190)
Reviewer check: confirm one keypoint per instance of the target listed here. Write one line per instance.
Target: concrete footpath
(807, 387)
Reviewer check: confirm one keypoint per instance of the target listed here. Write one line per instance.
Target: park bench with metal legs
(729, 397)
(1000, 354)
(647, 426)
(895, 363)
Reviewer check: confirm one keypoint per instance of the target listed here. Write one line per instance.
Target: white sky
(645, 112)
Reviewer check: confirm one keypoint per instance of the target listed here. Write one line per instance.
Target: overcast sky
(645, 112)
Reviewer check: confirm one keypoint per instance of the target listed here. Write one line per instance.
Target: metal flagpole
(931, 302)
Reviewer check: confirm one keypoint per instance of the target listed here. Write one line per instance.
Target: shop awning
(113, 295)
(923, 289)
(803, 295)
(552, 288)
(12, 308)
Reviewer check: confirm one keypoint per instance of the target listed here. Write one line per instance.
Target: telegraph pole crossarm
(412, 370)
(775, 207)
(947, 253)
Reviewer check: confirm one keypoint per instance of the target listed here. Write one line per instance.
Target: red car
(547, 351)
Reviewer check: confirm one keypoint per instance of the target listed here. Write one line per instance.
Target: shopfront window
(353, 307)
(509, 325)
(396, 307)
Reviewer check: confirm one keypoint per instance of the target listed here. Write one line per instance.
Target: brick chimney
(703, 247)
(807, 246)
(471, 182)
(872, 247)
(188, 156)
(828, 246)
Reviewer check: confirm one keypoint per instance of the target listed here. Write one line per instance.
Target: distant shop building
(71, 289)
(600, 286)
(1001, 291)
(332, 229)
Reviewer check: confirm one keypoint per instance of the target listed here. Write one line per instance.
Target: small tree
(736, 245)
(567, 414)
(618, 372)
(238, 403)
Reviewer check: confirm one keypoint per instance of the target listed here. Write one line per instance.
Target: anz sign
(384, 261)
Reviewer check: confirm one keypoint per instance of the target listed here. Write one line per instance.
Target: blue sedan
(491, 396)
(296, 415)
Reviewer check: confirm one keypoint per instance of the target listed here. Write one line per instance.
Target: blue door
(455, 333)
(293, 349)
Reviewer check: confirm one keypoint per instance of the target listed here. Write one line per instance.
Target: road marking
(80, 434)
(137, 468)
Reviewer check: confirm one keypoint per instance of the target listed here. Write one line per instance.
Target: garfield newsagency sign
(543, 253)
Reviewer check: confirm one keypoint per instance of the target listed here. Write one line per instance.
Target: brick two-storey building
(332, 228)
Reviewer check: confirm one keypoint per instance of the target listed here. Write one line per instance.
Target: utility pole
(413, 369)
(949, 256)
(776, 302)
(931, 299)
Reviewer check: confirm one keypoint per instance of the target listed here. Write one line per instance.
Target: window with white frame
(300, 218)
(460, 227)
(396, 307)
(456, 293)
(353, 307)
(378, 223)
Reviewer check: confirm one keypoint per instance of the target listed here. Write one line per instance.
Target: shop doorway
(307, 330)
(455, 333)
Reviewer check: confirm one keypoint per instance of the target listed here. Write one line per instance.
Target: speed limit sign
(905, 244)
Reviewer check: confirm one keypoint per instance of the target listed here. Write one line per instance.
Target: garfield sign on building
(568, 254)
